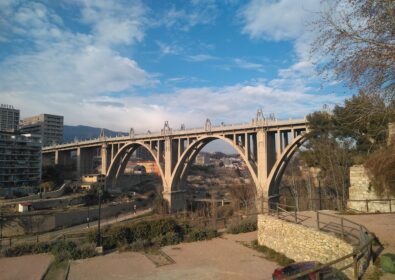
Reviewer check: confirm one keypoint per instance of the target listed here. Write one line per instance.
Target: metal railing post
(342, 226)
(367, 206)
(277, 210)
(296, 216)
(318, 219)
(355, 266)
(390, 205)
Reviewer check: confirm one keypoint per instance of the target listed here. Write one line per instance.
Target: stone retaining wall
(302, 243)
(362, 189)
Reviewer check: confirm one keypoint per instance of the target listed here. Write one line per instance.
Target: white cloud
(169, 49)
(201, 57)
(277, 20)
(244, 64)
(200, 12)
(286, 20)
(62, 61)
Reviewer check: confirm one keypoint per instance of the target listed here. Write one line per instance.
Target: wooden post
(296, 216)
(318, 220)
(390, 206)
(367, 206)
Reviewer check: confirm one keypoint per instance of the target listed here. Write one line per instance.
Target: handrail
(364, 248)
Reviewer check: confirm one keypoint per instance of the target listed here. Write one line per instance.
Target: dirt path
(30, 267)
(220, 258)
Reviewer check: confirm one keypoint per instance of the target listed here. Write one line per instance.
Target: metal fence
(356, 234)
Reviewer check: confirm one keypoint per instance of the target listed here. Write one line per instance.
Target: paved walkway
(220, 258)
(31, 267)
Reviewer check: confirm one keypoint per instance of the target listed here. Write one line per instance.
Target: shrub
(87, 251)
(387, 262)
(139, 245)
(243, 226)
(170, 238)
(117, 235)
(142, 230)
(19, 250)
(199, 234)
(42, 247)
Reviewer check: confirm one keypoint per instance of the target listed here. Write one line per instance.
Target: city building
(9, 118)
(49, 127)
(91, 181)
(202, 159)
(20, 160)
(142, 154)
(150, 167)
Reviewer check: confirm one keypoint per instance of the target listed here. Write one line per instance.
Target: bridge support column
(104, 159)
(78, 155)
(168, 164)
(56, 157)
(84, 161)
(176, 200)
(262, 159)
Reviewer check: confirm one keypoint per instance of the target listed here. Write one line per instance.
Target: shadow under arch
(118, 164)
(275, 175)
(188, 156)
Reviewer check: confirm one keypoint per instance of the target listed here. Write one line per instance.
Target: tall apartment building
(20, 159)
(9, 118)
(49, 127)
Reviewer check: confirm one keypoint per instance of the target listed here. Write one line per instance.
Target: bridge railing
(261, 123)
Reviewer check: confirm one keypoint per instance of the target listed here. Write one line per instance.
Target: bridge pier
(176, 200)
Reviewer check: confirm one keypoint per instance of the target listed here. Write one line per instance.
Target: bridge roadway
(266, 146)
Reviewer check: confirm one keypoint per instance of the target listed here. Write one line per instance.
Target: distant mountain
(82, 132)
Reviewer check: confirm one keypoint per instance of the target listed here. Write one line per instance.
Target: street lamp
(98, 224)
(1, 228)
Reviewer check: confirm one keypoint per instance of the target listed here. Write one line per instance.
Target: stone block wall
(362, 189)
(302, 243)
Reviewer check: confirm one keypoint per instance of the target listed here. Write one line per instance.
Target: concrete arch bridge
(266, 147)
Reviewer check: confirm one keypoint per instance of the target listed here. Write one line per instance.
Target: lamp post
(98, 223)
(1, 228)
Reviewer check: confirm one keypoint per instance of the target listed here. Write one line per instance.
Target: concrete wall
(362, 189)
(29, 223)
(301, 243)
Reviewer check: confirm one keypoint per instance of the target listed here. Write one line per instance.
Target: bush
(243, 226)
(139, 245)
(170, 238)
(42, 247)
(199, 234)
(66, 250)
(387, 262)
(87, 251)
(19, 250)
(116, 236)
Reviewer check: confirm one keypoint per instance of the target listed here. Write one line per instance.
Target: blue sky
(122, 64)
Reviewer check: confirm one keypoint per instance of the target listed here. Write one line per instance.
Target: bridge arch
(120, 160)
(187, 157)
(277, 171)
